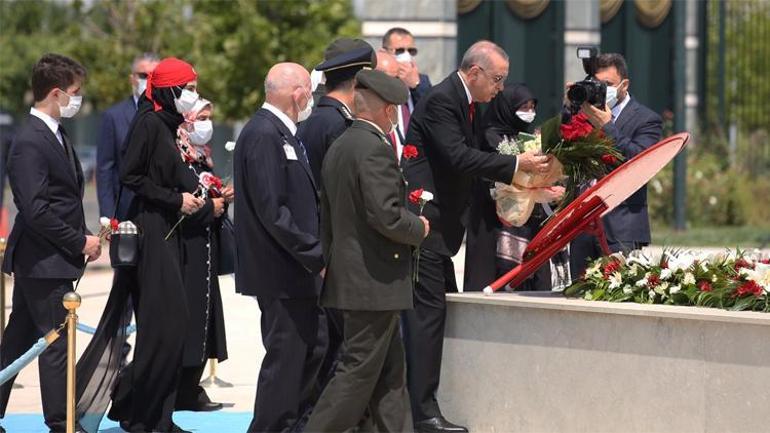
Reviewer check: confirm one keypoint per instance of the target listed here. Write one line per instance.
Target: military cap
(390, 89)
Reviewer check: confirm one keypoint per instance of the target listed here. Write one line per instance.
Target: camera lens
(577, 94)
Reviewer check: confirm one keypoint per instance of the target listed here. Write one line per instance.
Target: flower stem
(174, 228)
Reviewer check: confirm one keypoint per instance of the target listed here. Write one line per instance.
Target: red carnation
(749, 288)
(705, 286)
(654, 280)
(609, 159)
(578, 127)
(114, 224)
(765, 261)
(415, 196)
(610, 268)
(743, 263)
(410, 151)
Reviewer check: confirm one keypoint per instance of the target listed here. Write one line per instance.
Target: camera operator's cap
(348, 53)
(390, 89)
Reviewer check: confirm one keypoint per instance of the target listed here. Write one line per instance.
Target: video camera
(589, 90)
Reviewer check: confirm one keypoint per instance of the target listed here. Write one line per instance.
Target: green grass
(731, 237)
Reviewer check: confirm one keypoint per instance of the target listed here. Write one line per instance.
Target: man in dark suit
(109, 149)
(634, 128)
(399, 42)
(444, 128)
(367, 237)
(49, 240)
(279, 255)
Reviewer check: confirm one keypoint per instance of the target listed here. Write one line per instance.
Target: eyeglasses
(412, 51)
(141, 75)
(495, 79)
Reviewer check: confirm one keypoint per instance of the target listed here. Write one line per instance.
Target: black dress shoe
(207, 406)
(438, 424)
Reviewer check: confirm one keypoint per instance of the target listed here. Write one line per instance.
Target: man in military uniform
(334, 113)
(367, 237)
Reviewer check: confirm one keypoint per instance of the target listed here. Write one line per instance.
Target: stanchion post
(71, 302)
(213, 380)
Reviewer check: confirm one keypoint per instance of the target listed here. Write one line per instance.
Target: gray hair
(146, 56)
(480, 54)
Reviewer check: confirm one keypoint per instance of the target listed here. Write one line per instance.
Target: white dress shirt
(49, 121)
(465, 86)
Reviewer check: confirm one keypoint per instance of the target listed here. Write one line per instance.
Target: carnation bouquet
(733, 280)
(208, 186)
(514, 203)
(585, 152)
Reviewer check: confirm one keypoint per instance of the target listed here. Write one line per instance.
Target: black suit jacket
(367, 231)
(449, 158)
(276, 213)
(109, 150)
(327, 122)
(49, 231)
(635, 130)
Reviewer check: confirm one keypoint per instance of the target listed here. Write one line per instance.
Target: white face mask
(72, 107)
(141, 86)
(186, 101)
(202, 132)
(305, 113)
(526, 116)
(404, 57)
(612, 96)
(393, 124)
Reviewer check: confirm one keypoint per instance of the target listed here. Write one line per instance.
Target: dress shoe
(174, 429)
(438, 424)
(207, 406)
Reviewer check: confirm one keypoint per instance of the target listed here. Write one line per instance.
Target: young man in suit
(279, 256)
(634, 128)
(49, 241)
(444, 129)
(367, 237)
(109, 149)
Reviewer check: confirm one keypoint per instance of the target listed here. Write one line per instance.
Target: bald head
(287, 87)
(387, 63)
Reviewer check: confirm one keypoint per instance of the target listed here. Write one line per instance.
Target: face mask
(526, 116)
(393, 124)
(72, 107)
(304, 114)
(612, 96)
(202, 132)
(141, 86)
(404, 57)
(186, 101)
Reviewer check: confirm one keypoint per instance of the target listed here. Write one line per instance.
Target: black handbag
(226, 246)
(124, 247)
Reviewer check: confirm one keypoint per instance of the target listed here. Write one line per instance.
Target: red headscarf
(169, 72)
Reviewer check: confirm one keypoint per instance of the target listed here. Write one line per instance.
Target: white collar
(371, 123)
(282, 116)
(620, 106)
(467, 92)
(52, 123)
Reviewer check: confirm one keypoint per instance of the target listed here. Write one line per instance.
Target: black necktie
(68, 149)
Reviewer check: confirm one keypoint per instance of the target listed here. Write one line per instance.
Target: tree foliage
(231, 43)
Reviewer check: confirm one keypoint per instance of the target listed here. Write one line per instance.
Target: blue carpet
(207, 422)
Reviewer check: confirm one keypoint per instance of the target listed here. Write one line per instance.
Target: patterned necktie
(304, 151)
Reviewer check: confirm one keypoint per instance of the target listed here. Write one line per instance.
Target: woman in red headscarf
(144, 395)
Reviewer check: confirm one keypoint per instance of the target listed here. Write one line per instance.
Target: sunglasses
(141, 75)
(412, 51)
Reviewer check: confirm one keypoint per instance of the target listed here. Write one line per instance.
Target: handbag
(124, 246)
(226, 246)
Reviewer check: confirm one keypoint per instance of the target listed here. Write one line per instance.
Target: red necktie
(392, 137)
(405, 116)
(471, 111)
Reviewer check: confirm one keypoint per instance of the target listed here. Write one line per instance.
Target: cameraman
(634, 128)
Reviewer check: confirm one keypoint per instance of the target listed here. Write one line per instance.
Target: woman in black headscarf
(143, 397)
(493, 249)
